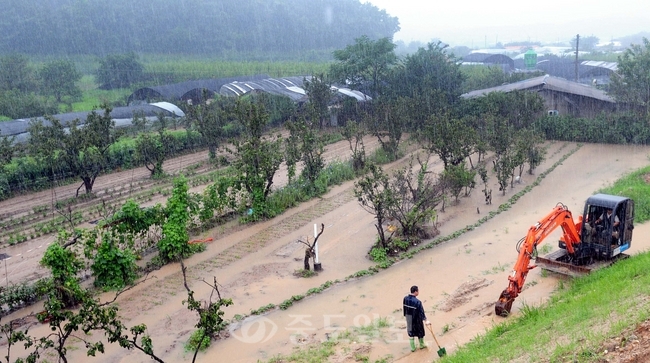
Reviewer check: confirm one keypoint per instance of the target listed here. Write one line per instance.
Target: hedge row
(625, 128)
(28, 173)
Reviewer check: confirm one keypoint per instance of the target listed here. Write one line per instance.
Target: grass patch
(635, 186)
(314, 353)
(575, 321)
(305, 273)
(195, 340)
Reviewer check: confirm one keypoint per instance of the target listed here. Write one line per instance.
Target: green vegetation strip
(574, 324)
(375, 269)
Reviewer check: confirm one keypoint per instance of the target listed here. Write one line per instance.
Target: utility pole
(577, 47)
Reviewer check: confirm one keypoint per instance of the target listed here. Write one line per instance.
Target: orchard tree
(451, 139)
(319, 91)
(366, 64)
(151, 149)
(208, 120)
(457, 178)
(173, 245)
(82, 148)
(386, 121)
(354, 132)
(631, 82)
(59, 79)
(374, 193)
(416, 195)
(307, 145)
(257, 157)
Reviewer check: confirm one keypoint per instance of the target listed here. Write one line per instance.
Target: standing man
(415, 318)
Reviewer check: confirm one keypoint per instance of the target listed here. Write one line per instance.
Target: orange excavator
(597, 239)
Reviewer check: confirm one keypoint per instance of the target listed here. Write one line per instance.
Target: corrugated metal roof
(546, 82)
(613, 66)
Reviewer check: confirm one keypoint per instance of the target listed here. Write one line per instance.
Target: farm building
(123, 116)
(589, 72)
(560, 96)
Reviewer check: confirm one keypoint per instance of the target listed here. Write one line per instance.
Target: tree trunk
(307, 256)
(88, 184)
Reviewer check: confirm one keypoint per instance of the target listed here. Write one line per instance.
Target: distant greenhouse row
(195, 91)
(153, 101)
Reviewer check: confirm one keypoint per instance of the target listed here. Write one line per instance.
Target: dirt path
(459, 280)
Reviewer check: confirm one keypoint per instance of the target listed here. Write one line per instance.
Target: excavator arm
(560, 216)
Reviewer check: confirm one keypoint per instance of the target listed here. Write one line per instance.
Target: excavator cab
(599, 232)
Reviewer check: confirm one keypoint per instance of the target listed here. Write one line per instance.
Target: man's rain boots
(422, 345)
(412, 341)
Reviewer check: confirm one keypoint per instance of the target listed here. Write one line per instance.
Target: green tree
(58, 79)
(63, 291)
(64, 265)
(119, 71)
(354, 133)
(306, 144)
(631, 82)
(373, 192)
(113, 264)
(208, 120)
(16, 104)
(430, 79)
(451, 139)
(386, 121)
(174, 244)
(416, 196)
(151, 150)
(365, 64)
(257, 157)
(17, 74)
(320, 94)
(458, 177)
(211, 321)
(83, 149)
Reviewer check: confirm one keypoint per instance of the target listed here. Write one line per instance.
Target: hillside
(214, 27)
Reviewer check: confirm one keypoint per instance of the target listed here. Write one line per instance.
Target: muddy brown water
(459, 280)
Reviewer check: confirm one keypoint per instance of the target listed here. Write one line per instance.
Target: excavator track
(555, 262)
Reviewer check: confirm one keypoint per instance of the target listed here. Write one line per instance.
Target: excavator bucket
(503, 306)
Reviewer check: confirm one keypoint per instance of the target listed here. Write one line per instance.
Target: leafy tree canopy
(58, 79)
(82, 149)
(119, 71)
(633, 83)
(365, 64)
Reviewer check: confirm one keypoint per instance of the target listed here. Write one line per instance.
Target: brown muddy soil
(459, 280)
